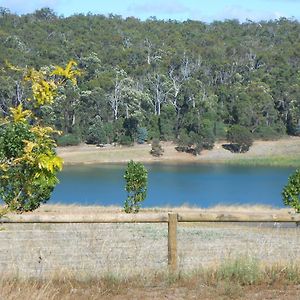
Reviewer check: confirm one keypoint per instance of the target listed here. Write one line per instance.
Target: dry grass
(236, 279)
(96, 209)
(129, 261)
(284, 152)
(38, 250)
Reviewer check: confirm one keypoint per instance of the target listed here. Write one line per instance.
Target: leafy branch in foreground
(28, 162)
(291, 192)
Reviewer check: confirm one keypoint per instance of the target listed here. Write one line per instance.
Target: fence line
(171, 218)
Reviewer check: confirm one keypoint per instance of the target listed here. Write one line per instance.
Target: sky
(202, 10)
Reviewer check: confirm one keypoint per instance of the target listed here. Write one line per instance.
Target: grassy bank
(284, 152)
(242, 278)
(275, 161)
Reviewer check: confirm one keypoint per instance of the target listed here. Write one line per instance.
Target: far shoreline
(281, 153)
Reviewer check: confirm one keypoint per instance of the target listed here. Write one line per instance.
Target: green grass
(274, 161)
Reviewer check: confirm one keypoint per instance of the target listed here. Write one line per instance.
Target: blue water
(174, 185)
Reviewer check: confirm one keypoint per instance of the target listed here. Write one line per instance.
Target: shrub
(184, 141)
(126, 140)
(243, 270)
(240, 138)
(131, 125)
(268, 133)
(219, 130)
(291, 192)
(28, 162)
(68, 140)
(136, 177)
(153, 127)
(194, 143)
(142, 135)
(96, 135)
(157, 149)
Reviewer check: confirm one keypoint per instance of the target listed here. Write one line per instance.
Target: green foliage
(28, 162)
(68, 140)
(243, 270)
(28, 166)
(156, 148)
(153, 127)
(96, 133)
(167, 122)
(154, 72)
(142, 135)
(198, 139)
(219, 130)
(136, 177)
(131, 126)
(240, 138)
(268, 133)
(126, 140)
(291, 192)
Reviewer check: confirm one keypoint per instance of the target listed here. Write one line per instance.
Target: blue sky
(207, 11)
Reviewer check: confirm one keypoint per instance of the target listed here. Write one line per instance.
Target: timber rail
(170, 218)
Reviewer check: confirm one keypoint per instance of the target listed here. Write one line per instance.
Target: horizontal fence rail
(171, 218)
(151, 218)
(101, 218)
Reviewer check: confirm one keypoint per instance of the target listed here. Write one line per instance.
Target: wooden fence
(171, 218)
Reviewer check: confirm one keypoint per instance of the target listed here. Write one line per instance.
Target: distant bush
(96, 135)
(194, 142)
(268, 133)
(156, 149)
(219, 130)
(240, 138)
(126, 140)
(68, 140)
(142, 135)
(153, 128)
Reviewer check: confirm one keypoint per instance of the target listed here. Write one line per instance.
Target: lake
(174, 185)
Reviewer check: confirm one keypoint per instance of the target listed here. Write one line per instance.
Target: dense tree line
(183, 81)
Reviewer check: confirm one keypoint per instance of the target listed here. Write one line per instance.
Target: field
(284, 152)
(129, 261)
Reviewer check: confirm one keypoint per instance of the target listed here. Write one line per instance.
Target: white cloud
(243, 14)
(23, 6)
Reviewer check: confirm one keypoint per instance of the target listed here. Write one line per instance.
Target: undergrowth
(229, 280)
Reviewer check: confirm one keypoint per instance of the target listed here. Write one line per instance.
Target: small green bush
(96, 135)
(240, 138)
(268, 133)
(68, 140)
(219, 130)
(156, 149)
(243, 270)
(142, 135)
(136, 177)
(126, 140)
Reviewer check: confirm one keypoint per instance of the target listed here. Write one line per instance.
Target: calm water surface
(174, 185)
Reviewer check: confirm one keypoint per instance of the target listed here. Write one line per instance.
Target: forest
(187, 82)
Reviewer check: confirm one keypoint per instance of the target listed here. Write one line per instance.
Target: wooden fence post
(172, 241)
